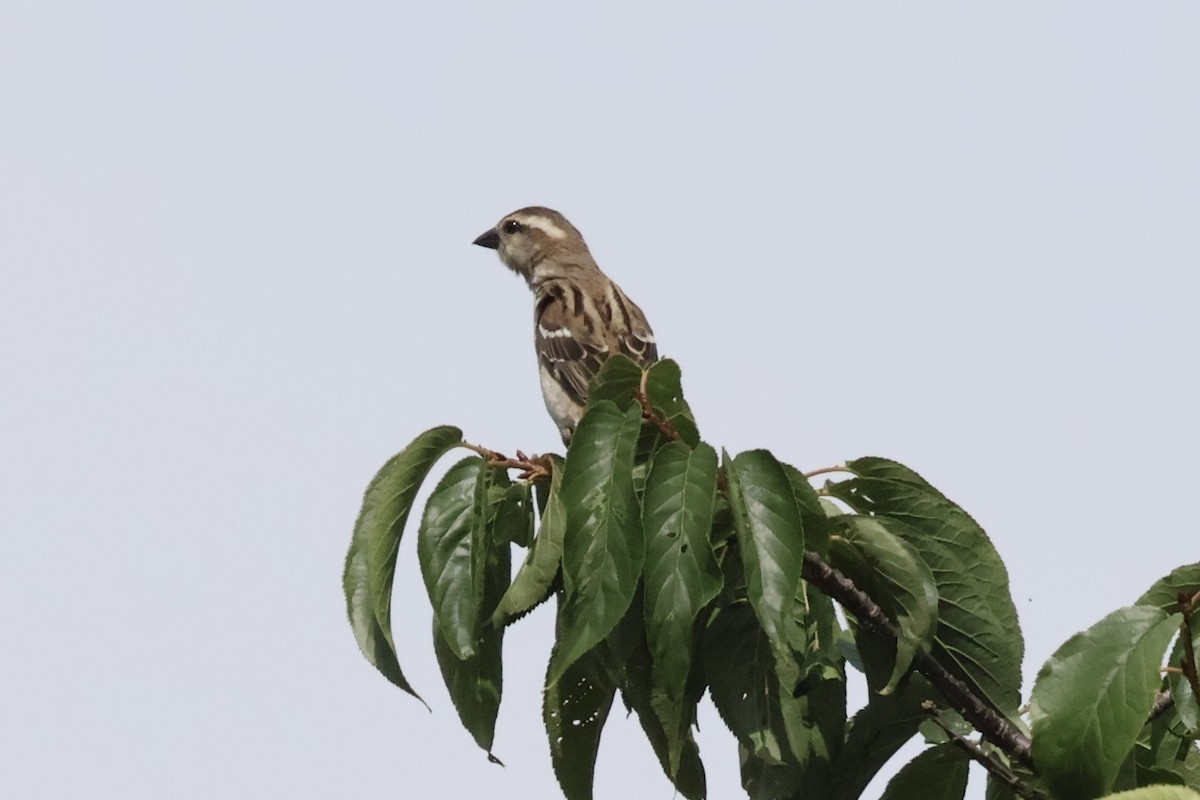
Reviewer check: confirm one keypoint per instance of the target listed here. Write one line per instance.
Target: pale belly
(562, 408)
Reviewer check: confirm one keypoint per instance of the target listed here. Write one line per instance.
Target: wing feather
(576, 331)
(571, 352)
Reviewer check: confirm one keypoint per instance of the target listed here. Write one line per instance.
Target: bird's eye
(512, 226)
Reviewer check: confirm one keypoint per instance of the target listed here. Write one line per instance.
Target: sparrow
(580, 316)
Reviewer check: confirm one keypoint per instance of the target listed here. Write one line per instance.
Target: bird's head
(525, 238)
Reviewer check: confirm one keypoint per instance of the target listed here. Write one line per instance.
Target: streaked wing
(570, 351)
(637, 341)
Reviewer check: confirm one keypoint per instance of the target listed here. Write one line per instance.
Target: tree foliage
(677, 573)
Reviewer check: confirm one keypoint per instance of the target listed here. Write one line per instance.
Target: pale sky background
(238, 276)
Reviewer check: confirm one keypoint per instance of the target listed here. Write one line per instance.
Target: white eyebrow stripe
(560, 333)
(544, 225)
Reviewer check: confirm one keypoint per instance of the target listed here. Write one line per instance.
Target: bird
(580, 315)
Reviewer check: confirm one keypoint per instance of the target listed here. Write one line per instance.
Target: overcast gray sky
(237, 277)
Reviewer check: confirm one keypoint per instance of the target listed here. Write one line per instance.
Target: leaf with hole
(664, 392)
(681, 572)
(575, 707)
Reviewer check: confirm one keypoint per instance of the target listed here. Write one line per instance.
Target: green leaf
(1186, 705)
(466, 561)
(474, 684)
(875, 734)
(815, 713)
(939, 773)
(891, 572)
(603, 547)
(764, 779)
(742, 682)
(812, 512)
(934, 732)
(681, 572)
(831, 509)
(741, 676)
(770, 534)
(535, 579)
(371, 560)
(1164, 757)
(673, 744)
(1165, 592)
(878, 657)
(444, 543)
(821, 643)
(664, 391)
(787, 739)
(1092, 697)
(886, 469)
(1155, 793)
(512, 506)
(997, 789)
(617, 381)
(978, 638)
(574, 709)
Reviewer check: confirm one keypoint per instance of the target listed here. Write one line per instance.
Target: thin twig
(1162, 704)
(824, 471)
(491, 455)
(993, 726)
(989, 762)
(1186, 605)
(648, 413)
(532, 468)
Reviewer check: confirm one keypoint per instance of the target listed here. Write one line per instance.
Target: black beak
(489, 239)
